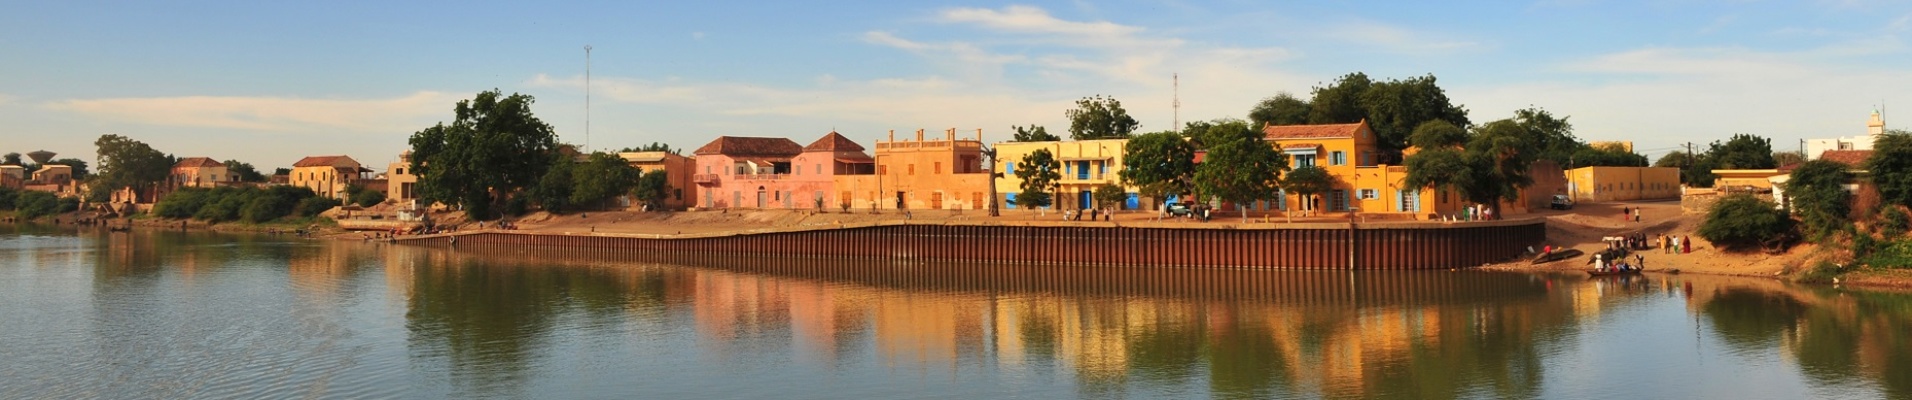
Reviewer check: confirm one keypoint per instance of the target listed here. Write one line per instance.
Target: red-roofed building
(1851, 158)
(328, 176)
(760, 172)
(200, 172)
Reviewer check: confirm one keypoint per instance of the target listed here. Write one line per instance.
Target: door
(760, 198)
(936, 200)
(1086, 200)
(899, 200)
(976, 201)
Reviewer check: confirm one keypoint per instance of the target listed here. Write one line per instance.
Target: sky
(270, 82)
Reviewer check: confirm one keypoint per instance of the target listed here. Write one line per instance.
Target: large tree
(1891, 167)
(1100, 117)
(125, 162)
(1241, 167)
(652, 188)
(1160, 163)
(1742, 151)
(10, 159)
(1693, 172)
(1033, 133)
(1605, 155)
(553, 191)
(1550, 137)
(654, 146)
(1341, 102)
(1818, 192)
(1396, 107)
(1039, 172)
(1491, 166)
(601, 178)
(493, 148)
(1110, 196)
(1281, 109)
(1785, 158)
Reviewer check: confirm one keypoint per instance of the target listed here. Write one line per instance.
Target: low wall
(1367, 246)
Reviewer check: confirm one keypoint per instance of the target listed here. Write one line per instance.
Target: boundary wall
(1317, 246)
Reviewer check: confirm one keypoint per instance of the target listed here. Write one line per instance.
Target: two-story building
(328, 176)
(200, 172)
(760, 172)
(1350, 154)
(677, 170)
(934, 174)
(1086, 165)
(401, 181)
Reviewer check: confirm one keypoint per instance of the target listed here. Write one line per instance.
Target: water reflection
(260, 316)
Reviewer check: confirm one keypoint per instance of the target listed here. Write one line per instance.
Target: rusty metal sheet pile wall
(1364, 248)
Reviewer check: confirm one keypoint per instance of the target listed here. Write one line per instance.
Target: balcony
(1088, 178)
(762, 177)
(704, 179)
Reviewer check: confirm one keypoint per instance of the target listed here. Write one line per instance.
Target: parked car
(1561, 202)
(1180, 210)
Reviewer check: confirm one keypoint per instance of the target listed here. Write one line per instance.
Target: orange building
(677, 167)
(944, 174)
(1350, 154)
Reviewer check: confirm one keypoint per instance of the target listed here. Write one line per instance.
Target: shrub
(1741, 222)
(34, 204)
(312, 206)
(7, 198)
(1818, 190)
(1893, 222)
(368, 198)
(182, 203)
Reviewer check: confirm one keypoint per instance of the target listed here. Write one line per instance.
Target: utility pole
(1686, 163)
(587, 98)
(1176, 123)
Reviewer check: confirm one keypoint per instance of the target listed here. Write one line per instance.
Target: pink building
(757, 172)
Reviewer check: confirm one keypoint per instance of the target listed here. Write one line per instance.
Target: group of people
(1093, 213)
(1630, 214)
(1618, 265)
(1670, 244)
(1632, 241)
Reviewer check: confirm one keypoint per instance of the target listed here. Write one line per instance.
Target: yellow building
(1350, 154)
(1600, 184)
(945, 174)
(1086, 165)
(677, 168)
(401, 182)
(328, 176)
(200, 172)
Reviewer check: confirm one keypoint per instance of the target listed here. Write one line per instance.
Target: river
(155, 314)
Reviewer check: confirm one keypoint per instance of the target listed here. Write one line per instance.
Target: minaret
(1876, 126)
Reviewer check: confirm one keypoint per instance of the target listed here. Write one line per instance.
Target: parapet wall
(1371, 246)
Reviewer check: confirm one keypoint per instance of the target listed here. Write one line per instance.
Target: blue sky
(267, 83)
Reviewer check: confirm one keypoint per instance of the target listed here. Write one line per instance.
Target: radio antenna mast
(1177, 121)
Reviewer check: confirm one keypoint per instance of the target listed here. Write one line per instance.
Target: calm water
(195, 315)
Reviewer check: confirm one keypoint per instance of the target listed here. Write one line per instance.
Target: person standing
(1686, 245)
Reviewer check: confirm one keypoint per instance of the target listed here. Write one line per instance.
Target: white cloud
(1027, 19)
(1397, 39)
(276, 114)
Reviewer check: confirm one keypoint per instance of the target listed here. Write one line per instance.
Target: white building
(1874, 128)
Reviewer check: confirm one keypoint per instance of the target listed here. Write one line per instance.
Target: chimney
(950, 134)
(979, 134)
(892, 135)
(919, 135)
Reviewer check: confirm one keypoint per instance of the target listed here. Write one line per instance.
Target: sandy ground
(1583, 227)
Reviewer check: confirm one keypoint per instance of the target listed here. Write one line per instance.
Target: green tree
(654, 146)
(553, 191)
(1611, 155)
(1818, 192)
(1743, 151)
(1241, 167)
(33, 204)
(245, 172)
(1550, 138)
(1281, 109)
(602, 177)
(1100, 118)
(313, 206)
(125, 162)
(1160, 164)
(1110, 196)
(1741, 222)
(367, 198)
(1891, 167)
(10, 159)
(494, 147)
(1307, 182)
(1039, 172)
(1490, 167)
(652, 188)
(1341, 102)
(8, 198)
(1033, 133)
(1394, 108)
(1437, 134)
(1785, 158)
(1694, 171)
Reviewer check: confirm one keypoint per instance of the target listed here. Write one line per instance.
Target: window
(1337, 158)
(1009, 167)
(1410, 200)
(796, 171)
(882, 169)
(1368, 194)
(819, 169)
(1304, 160)
(707, 169)
(939, 168)
(1338, 200)
(401, 171)
(675, 193)
(912, 169)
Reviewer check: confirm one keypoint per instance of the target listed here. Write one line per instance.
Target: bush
(7, 198)
(368, 198)
(312, 206)
(1893, 222)
(1742, 222)
(181, 204)
(34, 204)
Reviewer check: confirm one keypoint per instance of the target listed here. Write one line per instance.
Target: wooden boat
(1557, 255)
(1614, 272)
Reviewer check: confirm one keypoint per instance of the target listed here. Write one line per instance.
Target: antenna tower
(587, 98)
(1177, 122)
